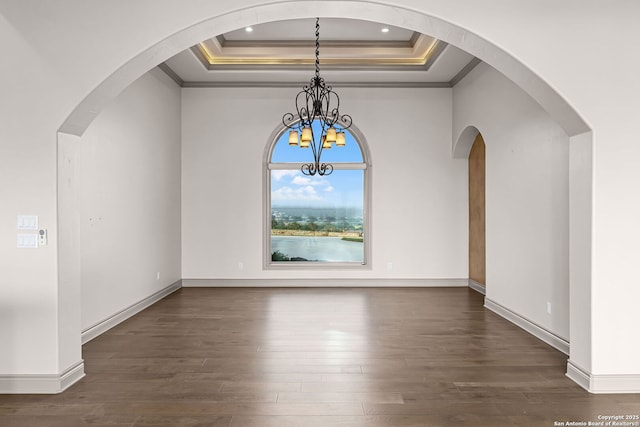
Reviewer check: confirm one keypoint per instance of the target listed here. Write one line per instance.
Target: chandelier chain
(317, 47)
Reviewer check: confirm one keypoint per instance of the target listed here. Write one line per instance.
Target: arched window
(316, 220)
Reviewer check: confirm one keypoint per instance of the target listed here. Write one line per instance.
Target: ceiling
(352, 53)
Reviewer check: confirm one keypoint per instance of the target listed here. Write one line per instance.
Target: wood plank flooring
(303, 357)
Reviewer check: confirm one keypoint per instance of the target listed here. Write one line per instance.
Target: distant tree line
(311, 226)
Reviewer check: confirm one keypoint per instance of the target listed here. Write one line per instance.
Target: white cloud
(278, 174)
(307, 193)
(301, 180)
(300, 188)
(305, 180)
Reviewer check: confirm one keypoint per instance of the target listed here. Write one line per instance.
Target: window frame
(268, 166)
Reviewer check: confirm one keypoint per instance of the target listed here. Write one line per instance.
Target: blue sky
(343, 188)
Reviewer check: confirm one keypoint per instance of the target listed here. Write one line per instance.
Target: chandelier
(317, 102)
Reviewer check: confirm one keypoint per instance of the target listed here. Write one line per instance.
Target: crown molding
(172, 74)
(419, 52)
(464, 71)
(224, 43)
(243, 44)
(434, 53)
(414, 38)
(248, 84)
(200, 56)
(258, 84)
(363, 64)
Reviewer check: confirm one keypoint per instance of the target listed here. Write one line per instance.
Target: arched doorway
(106, 90)
(391, 14)
(477, 234)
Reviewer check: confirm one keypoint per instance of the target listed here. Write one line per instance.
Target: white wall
(28, 282)
(527, 197)
(419, 193)
(130, 198)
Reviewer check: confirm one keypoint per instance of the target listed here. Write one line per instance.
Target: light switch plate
(27, 222)
(27, 241)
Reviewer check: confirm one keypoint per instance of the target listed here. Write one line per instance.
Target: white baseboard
(41, 384)
(602, 384)
(108, 323)
(320, 283)
(539, 332)
(478, 287)
(578, 376)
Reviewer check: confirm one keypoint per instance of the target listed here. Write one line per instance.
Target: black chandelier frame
(317, 102)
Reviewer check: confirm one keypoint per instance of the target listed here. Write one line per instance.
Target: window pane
(317, 218)
(284, 153)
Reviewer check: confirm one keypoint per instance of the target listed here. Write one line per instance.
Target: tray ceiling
(352, 52)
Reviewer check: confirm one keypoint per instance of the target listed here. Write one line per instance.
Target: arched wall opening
(560, 110)
(463, 148)
(464, 141)
(477, 230)
(388, 14)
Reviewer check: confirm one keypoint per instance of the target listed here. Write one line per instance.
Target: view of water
(326, 249)
(344, 217)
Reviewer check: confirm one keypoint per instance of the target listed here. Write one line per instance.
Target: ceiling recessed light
(385, 30)
(248, 29)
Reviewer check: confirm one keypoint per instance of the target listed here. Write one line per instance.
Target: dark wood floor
(317, 357)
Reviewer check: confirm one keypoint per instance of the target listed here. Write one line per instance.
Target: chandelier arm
(316, 99)
(317, 148)
(333, 117)
(335, 113)
(311, 103)
(324, 105)
(303, 107)
(325, 169)
(314, 167)
(289, 121)
(346, 121)
(321, 169)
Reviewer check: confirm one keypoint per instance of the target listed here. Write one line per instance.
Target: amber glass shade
(326, 144)
(331, 135)
(293, 137)
(306, 135)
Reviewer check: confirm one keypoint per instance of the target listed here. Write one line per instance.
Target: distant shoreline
(308, 233)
